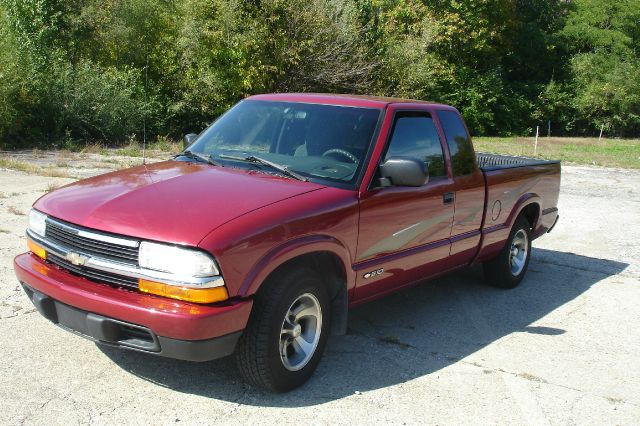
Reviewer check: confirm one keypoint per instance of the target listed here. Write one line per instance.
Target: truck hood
(172, 201)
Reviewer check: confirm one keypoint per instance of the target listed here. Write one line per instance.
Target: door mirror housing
(403, 171)
(189, 139)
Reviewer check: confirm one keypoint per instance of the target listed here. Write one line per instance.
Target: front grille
(93, 274)
(63, 235)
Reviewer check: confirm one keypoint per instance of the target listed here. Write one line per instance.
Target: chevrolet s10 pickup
(275, 220)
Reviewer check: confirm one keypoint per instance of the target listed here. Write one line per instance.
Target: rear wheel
(287, 331)
(508, 268)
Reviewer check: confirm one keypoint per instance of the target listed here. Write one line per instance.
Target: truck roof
(341, 99)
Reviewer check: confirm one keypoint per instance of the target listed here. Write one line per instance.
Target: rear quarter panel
(509, 191)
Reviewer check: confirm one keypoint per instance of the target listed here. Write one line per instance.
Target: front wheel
(286, 333)
(508, 268)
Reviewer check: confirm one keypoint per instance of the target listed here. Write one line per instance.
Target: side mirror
(403, 171)
(189, 139)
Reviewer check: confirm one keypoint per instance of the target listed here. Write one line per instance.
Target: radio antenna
(144, 114)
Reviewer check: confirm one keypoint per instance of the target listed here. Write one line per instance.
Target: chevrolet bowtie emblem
(76, 259)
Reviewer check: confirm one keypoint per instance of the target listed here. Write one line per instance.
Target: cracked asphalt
(561, 349)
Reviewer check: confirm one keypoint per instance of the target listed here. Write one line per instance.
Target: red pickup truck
(286, 211)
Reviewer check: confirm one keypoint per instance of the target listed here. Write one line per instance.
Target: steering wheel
(347, 154)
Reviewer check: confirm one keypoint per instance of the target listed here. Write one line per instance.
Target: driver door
(404, 231)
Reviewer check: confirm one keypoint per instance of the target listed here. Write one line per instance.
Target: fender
(524, 201)
(293, 248)
(493, 238)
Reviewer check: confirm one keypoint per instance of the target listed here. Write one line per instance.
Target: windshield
(325, 142)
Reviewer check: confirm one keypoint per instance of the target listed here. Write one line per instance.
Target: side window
(458, 141)
(416, 136)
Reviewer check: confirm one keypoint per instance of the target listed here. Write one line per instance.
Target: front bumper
(119, 317)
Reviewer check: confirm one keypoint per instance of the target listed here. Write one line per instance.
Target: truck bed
(489, 162)
(510, 181)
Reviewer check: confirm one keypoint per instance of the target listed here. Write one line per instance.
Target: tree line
(74, 71)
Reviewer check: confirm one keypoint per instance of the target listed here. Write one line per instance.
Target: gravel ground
(563, 348)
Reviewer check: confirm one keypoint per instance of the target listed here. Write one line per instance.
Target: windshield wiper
(198, 156)
(258, 160)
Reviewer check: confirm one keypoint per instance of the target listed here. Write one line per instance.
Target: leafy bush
(102, 70)
(93, 102)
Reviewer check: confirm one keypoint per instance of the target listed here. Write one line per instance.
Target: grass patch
(15, 211)
(8, 163)
(4, 231)
(93, 148)
(165, 144)
(134, 149)
(53, 172)
(624, 153)
(531, 377)
(161, 146)
(64, 154)
(51, 187)
(22, 166)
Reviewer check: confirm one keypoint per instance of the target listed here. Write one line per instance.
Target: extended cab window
(415, 135)
(458, 141)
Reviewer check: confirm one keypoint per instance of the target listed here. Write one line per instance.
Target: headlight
(176, 260)
(37, 222)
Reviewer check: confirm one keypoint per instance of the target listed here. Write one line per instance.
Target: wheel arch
(495, 237)
(527, 205)
(325, 255)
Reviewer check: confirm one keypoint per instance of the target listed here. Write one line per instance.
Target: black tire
(500, 272)
(258, 350)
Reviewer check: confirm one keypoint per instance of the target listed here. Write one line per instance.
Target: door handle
(448, 197)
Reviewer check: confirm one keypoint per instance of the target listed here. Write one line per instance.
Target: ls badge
(373, 273)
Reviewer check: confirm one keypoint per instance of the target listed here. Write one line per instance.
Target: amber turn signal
(197, 295)
(36, 249)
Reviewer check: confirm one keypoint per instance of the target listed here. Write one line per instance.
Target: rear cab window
(458, 141)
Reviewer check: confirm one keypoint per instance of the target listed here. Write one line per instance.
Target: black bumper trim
(114, 332)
